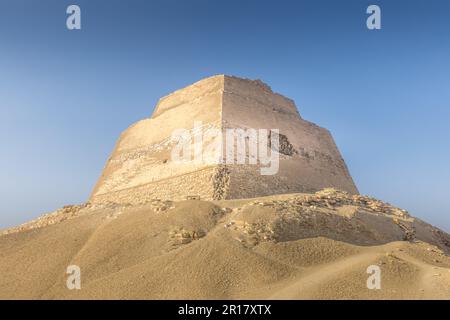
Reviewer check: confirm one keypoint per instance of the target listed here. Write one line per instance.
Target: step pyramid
(142, 165)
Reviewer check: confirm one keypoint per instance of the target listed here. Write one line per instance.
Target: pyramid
(142, 166)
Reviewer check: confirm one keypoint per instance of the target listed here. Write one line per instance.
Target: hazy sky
(65, 96)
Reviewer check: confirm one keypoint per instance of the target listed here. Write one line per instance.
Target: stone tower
(141, 167)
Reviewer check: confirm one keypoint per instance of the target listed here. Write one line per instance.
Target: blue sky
(65, 96)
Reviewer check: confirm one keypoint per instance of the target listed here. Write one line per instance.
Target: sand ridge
(293, 246)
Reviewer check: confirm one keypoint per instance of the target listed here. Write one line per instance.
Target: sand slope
(295, 246)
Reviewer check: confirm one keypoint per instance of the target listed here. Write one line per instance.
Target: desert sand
(293, 246)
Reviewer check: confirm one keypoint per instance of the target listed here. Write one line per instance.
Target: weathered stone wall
(198, 183)
(141, 168)
(311, 160)
(142, 155)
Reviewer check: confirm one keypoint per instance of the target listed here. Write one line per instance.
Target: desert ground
(293, 246)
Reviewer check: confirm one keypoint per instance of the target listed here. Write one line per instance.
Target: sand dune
(295, 246)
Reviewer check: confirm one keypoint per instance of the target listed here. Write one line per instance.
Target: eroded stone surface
(140, 168)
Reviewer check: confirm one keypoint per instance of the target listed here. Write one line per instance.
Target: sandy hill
(293, 246)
